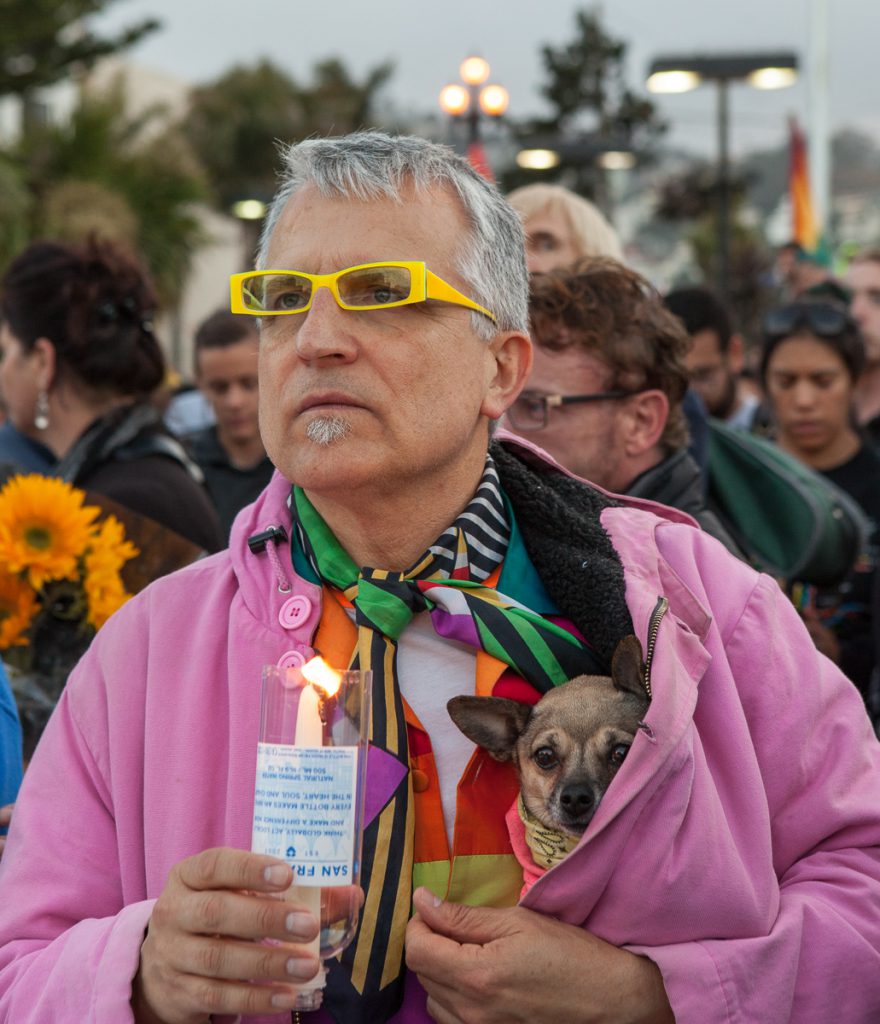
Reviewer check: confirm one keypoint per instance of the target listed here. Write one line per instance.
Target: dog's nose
(576, 800)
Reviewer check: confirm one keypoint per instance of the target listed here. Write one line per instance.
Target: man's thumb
(478, 925)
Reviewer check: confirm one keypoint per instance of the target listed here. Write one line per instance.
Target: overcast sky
(427, 41)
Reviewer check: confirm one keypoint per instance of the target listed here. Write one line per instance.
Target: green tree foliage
(586, 89)
(691, 199)
(43, 41)
(236, 123)
(15, 207)
(131, 180)
(334, 103)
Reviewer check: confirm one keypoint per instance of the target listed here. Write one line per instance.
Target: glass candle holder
(309, 796)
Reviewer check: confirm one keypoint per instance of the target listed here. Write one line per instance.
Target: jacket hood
(264, 575)
(537, 457)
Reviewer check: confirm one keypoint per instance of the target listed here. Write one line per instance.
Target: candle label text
(304, 810)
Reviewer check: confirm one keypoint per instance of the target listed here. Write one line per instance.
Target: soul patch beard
(325, 430)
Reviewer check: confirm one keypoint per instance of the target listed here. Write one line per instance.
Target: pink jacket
(739, 846)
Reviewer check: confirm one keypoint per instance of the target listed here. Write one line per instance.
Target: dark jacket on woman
(129, 456)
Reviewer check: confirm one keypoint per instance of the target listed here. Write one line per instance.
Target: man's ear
(644, 418)
(509, 362)
(45, 362)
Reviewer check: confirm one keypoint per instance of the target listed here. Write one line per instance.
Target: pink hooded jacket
(738, 848)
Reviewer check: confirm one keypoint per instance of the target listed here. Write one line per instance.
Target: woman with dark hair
(79, 364)
(811, 358)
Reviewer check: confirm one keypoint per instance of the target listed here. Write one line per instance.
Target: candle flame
(319, 674)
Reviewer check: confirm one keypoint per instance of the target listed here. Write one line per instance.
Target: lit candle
(309, 727)
(321, 682)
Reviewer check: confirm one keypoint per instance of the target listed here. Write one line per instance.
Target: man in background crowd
(863, 281)
(563, 227)
(715, 360)
(605, 393)
(230, 453)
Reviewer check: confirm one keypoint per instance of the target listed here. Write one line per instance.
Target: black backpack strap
(160, 444)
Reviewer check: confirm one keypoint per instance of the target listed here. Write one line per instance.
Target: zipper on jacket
(660, 609)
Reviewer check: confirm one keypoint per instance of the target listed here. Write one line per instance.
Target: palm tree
(235, 123)
(134, 180)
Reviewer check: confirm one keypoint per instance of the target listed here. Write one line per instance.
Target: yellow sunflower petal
(103, 585)
(18, 605)
(44, 527)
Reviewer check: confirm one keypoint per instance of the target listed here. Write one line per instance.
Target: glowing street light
(474, 70)
(454, 99)
(476, 97)
(249, 209)
(681, 74)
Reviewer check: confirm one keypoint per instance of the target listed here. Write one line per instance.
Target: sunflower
(18, 605)
(104, 589)
(44, 528)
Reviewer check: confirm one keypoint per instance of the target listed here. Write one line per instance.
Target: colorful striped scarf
(447, 583)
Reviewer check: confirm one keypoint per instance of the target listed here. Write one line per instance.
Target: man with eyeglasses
(604, 397)
(731, 868)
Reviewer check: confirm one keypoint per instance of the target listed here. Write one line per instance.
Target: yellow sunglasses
(366, 286)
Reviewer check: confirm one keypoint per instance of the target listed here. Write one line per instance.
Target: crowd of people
(476, 392)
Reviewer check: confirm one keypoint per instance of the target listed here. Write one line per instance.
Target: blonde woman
(561, 227)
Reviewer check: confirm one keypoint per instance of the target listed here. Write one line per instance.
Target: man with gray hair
(731, 869)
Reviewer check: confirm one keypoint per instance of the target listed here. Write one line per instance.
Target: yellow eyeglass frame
(423, 285)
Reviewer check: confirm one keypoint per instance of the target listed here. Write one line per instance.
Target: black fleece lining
(558, 518)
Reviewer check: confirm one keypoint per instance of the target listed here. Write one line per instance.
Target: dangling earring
(41, 412)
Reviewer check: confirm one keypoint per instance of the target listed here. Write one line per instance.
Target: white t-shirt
(431, 670)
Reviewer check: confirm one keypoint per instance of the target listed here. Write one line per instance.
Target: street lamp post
(681, 74)
(475, 97)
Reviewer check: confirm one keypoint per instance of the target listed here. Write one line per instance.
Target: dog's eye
(618, 753)
(544, 758)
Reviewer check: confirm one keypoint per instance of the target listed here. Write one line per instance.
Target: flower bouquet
(60, 580)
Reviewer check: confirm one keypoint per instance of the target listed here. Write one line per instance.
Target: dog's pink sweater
(517, 832)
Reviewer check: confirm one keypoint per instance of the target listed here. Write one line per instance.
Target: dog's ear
(493, 723)
(628, 669)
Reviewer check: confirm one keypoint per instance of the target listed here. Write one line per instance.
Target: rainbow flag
(805, 230)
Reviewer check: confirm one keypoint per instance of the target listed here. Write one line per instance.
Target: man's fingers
(217, 997)
(225, 868)
(438, 1012)
(430, 955)
(239, 961)
(6, 814)
(461, 923)
(340, 901)
(239, 915)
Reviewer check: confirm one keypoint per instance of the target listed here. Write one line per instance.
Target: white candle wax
(309, 733)
(309, 728)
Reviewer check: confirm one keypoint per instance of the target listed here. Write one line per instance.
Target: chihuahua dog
(567, 748)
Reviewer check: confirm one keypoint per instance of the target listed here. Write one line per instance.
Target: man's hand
(202, 952)
(485, 966)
